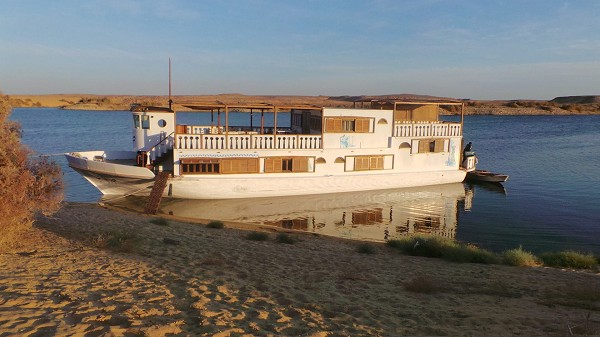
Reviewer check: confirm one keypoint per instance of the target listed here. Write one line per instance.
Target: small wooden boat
(482, 175)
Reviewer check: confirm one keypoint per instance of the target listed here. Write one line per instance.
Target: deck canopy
(226, 108)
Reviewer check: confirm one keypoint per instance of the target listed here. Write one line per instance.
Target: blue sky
(478, 49)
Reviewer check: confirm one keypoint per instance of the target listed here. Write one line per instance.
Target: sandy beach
(215, 282)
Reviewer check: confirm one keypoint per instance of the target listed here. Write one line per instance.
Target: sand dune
(215, 282)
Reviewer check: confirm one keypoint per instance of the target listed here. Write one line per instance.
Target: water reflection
(368, 216)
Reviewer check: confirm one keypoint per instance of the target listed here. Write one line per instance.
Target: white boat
(387, 145)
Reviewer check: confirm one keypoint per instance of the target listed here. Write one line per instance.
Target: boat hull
(112, 178)
(221, 187)
(118, 179)
(486, 176)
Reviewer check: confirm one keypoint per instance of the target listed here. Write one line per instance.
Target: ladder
(160, 182)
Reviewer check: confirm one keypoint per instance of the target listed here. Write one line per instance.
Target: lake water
(550, 202)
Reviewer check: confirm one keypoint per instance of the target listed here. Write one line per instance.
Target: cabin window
(239, 165)
(145, 122)
(286, 164)
(217, 166)
(431, 145)
(136, 121)
(346, 124)
(162, 123)
(364, 163)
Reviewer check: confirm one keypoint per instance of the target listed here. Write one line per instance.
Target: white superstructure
(322, 150)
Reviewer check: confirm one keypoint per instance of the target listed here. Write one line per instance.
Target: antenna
(170, 100)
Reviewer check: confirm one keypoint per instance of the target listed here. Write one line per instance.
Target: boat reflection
(368, 216)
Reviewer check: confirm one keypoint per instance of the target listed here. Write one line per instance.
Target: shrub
(160, 221)
(519, 257)
(215, 224)
(396, 244)
(118, 241)
(421, 284)
(444, 248)
(470, 254)
(257, 236)
(285, 238)
(365, 248)
(569, 259)
(28, 186)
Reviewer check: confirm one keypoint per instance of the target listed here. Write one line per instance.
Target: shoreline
(573, 105)
(215, 282)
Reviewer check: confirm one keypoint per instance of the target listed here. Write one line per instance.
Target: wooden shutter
(361, 163)
(300, 164)
(272, 165)
(362, 125)
(376, 163)
(439, 145)
(424, 146)
(333, 124)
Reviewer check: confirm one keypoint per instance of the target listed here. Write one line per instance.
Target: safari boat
(375, 145)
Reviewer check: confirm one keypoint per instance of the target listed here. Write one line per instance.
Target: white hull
(112, 178)
(117, 179)
(232, 188)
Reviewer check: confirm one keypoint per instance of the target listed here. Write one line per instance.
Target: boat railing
(162, 147)
(246, 141)
(427, 129)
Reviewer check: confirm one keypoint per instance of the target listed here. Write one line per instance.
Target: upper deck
(311, 126)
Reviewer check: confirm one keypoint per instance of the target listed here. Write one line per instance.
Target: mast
(170, 100)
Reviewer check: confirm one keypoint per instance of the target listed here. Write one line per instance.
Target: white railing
(246, 141)
(425, 129)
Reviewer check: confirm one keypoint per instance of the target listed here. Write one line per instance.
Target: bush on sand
(28, 186)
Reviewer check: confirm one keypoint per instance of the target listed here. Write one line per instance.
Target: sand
(215, 282)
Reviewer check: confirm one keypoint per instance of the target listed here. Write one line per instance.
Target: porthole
(162, 123)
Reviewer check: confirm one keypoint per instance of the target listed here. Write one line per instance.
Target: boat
(374, 145)
(486, 176)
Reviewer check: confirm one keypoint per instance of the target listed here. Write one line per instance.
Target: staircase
(160, 182)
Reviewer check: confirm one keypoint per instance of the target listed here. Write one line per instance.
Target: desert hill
(568, 105)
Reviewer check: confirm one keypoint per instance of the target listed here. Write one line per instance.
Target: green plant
(447, 249)
(160, 221)
(257, 236)
(569, 259)
(285, 238)
(365, 248)
(215, 224)
(519, 257)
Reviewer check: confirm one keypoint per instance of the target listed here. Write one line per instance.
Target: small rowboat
(482, 175)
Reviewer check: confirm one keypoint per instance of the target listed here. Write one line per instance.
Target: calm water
(550, 202)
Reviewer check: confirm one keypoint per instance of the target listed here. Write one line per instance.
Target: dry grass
(422, 284)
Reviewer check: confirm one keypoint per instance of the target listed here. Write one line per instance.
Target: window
(162, 123)
(287, 164)
(346, 124)
(239, 165)
(364, 163)
(431, 145)
(145, 122)
(219, 166)
(136, 121)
